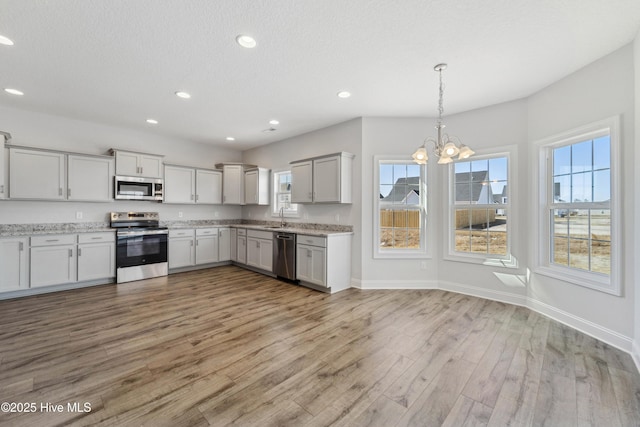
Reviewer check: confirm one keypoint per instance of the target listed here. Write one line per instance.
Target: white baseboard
(592, 329)
(588, 327)
(483, 293)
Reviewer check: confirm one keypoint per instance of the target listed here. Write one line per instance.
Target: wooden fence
(399, 218)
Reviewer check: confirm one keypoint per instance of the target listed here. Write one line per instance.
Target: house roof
(402, 188)
(475, 183)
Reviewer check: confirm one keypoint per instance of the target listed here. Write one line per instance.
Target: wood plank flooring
(227, 346)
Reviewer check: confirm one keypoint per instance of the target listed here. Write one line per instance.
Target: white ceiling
(119, 62)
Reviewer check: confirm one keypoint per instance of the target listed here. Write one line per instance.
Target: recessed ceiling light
(230, 138)
(246, 41)
(183, 95)
(152, 121)
(274, 122)
(13, 91)
(344, 94)
(6, 41)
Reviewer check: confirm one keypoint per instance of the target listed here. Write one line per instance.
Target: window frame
(544, 194)
(494, 260)
(423, 251)
(275, 210)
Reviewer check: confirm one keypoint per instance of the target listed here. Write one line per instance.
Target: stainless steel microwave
(138, 188)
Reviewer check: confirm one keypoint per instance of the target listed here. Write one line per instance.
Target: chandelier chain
(440, 102)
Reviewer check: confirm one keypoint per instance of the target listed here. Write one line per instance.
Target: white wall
(346, 136)
(636, 217)
(59, 133)
(599, 90)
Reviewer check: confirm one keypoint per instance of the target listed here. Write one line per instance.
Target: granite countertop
(16, 230)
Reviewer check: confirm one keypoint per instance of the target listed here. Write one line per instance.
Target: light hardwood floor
(230, 347)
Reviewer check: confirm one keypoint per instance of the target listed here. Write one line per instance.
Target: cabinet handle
(96, 238)
(70, 253)
(21, 246)
(79, 251)
(191, 242)
(192, 197)
(60, 191)
(197, 242)
(309, 253)
(2, 189)
(68, 192)
(197, 197)
(141, 170)
(51, 240)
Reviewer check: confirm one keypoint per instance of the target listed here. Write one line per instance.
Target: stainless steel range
(141, 248)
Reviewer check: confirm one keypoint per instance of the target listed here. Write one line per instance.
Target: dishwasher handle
(284, 237)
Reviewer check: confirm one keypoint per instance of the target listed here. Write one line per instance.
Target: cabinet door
(208, 187)
(36, 175)
(53, 265)
(127, 164)
(224, 244)
(96, 261)
(301, 182)
(242, 250)
(233, 183)
(326, 180)
(251, 187)
(311, 264)
(253, 252)
(89, 179)
(13, 264)
(3, 171)
(207, 249)
(150, 166)
(266, 255)
(233, 245)
(179, 185)
(181, 252)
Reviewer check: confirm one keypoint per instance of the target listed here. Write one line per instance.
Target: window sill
(596, 281)
(402, 255)
(507, 262)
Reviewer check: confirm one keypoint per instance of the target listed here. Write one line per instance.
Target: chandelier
(445, 147)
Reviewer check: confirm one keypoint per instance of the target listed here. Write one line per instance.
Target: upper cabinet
(325, 179)
(3, 171)
(189, 185)
(256, 186)
(59, 176)
(89, 179)
(138, 164)
(232, 183)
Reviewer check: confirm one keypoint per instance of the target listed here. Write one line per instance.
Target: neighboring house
(472, 188)
(405, 191)
(501, 198)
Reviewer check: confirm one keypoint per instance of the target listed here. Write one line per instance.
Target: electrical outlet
(78, 215)
(423, 265)
(179, 214)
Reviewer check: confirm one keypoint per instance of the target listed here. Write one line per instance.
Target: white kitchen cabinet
(326, 179)
(181, 248)
(324, 262)
(241, 254)
(206, 245)
(138, 164)
(302, 182)
(36, 174)
(96, 256)
(208, 187)
(224, 244)
(3, 171)
(233, 184)
(89, 178)
(179, 184)
(14, 263)
(233, 244)
(53, 260)
(260, 249)
(256, 186)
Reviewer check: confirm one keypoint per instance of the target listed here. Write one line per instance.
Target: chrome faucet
(282, 223)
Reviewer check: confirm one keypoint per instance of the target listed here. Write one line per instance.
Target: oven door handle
(141, 233)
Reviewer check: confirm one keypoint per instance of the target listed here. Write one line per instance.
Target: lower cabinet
(311, 264)
(260, 249)
(53, 260)
(96, 256)
(324, 262)
(233, 234)
(190, 247)
(241, 249)
(14, 263)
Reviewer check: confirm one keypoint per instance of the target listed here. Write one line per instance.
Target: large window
(400, 214)
(578, 214)
(281, 200)
(480, 207)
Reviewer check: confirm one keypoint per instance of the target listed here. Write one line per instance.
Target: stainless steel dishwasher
(284, 259)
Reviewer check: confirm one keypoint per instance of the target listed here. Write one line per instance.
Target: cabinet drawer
(52, 240)
(241, 231)
(206, 231)
(258, 234)
(96, 237)
(181, 233)
(312, 240)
